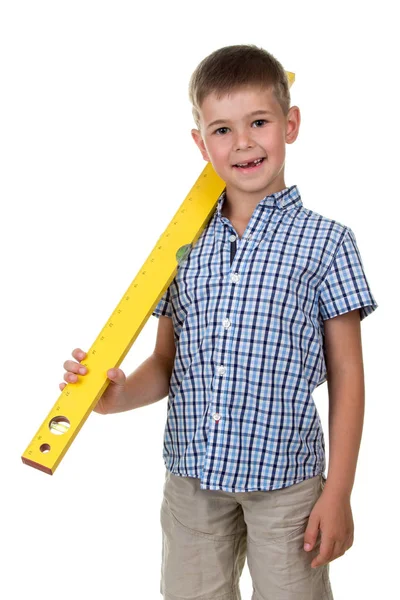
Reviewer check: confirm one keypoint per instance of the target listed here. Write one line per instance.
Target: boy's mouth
(250, 164)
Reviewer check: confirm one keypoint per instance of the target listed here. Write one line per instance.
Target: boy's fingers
(70, 365)
(325, 553)
(116, 375)
(311, 533)
(70, 377)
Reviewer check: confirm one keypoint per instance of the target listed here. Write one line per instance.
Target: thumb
(311, 532)
(116, 376)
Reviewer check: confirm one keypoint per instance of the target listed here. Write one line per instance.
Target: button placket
(243, 250)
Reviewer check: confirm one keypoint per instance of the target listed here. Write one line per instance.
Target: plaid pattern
(248, 324)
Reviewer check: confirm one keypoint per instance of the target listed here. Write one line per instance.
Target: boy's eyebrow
(252, 114)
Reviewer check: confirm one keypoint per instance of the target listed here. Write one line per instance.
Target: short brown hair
(233, 67)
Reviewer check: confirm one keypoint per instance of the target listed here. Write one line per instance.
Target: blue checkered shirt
(248, 325)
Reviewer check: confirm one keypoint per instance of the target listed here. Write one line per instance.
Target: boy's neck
(239, 205)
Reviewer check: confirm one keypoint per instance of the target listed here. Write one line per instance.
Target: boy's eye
(257, 123)
(260, 122)
(221, 130)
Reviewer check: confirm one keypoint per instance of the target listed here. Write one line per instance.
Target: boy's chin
(254, 189)
(248, 186)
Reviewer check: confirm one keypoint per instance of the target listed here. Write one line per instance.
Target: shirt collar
(287, 198)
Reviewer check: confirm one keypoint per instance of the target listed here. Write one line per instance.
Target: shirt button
(234, 277)
(221, 370)
(216, 416)
(226, 323)
(232, 238)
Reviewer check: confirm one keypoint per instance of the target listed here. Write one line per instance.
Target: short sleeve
(163, 307)
(345, 287)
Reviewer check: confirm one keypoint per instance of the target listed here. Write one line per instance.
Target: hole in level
(59, 425)
(45, 448)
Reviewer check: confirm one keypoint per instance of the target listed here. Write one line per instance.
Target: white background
(96, 157)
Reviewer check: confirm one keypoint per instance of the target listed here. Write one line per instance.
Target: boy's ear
(292, 124)
(196, 135)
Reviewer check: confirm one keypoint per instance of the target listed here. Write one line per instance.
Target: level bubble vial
(59, 425)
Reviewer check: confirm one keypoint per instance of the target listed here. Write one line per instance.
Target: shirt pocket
(198, 287)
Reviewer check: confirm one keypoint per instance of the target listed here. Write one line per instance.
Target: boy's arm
(332, 512)
(150, 381)
(345, 375)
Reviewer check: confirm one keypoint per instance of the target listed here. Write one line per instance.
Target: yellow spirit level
(77, 400)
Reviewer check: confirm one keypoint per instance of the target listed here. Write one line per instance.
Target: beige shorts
(207, 535)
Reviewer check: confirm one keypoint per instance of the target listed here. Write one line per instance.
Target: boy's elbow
(167, 363)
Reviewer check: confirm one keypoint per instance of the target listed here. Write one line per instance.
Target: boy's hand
(114, 396)
(333, 516)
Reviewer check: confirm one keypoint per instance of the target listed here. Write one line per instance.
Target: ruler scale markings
(114, 341)
(77, 400)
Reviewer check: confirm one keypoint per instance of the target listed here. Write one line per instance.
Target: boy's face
(244, 126)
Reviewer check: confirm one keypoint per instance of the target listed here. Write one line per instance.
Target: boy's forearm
(346, 416)
(147, 384)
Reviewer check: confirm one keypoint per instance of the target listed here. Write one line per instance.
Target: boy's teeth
(254, 162)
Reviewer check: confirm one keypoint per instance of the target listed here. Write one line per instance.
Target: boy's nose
(242, 141)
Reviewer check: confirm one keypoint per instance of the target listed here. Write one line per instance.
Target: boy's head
(241, 106)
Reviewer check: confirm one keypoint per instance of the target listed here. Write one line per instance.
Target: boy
(266, 307)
